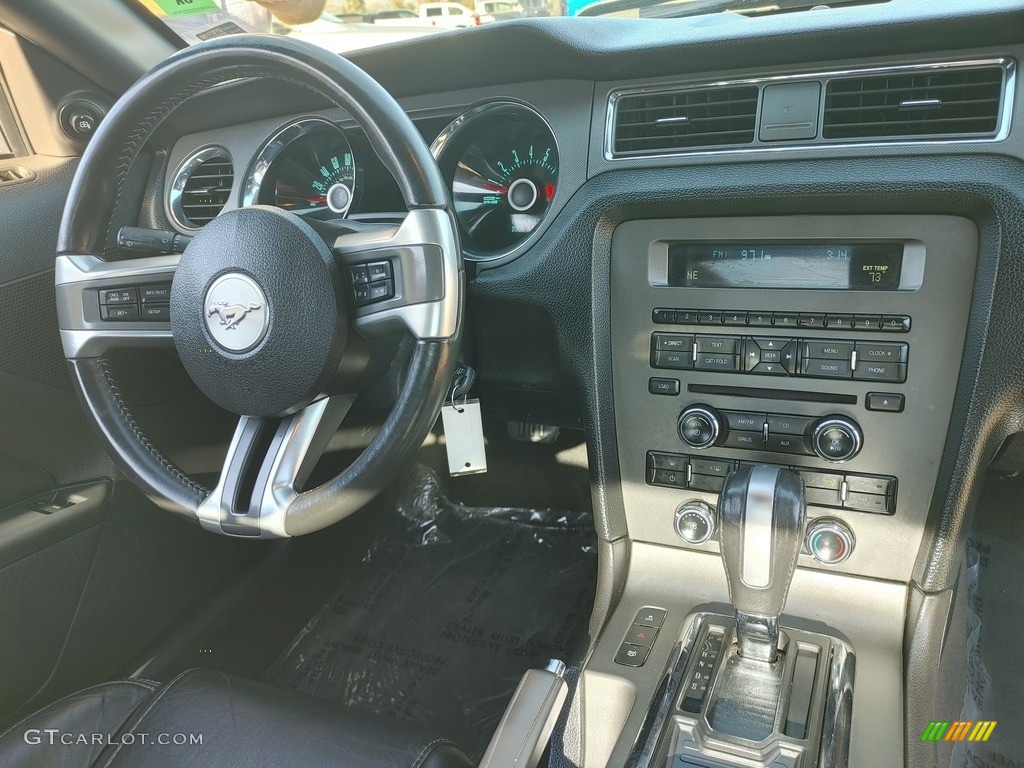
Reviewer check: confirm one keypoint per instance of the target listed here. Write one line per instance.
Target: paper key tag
(464, 438)
(178, 8)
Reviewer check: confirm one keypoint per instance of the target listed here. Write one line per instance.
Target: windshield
(346, 25)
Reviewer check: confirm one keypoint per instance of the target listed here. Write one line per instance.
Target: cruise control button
(669, 478)
(672, 342)
(123, 313)
(788, 425)
(823, 497)
(722, 345)
(383, 289)
(787, 444)
(362, 294)
(676, 360)
(866, 502)
(750, 440)
(742, 420)
(831, 369)
(894, 372)
(881, 486)
(631, 655)
(828, 350)
(379, 270)
(118, 296)
(884, 401)
(672, 461)
(712, 362)
(658, 386)
(716, 467)
(878, 351)
(360, 275)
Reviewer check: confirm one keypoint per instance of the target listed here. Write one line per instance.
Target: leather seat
(240, 724)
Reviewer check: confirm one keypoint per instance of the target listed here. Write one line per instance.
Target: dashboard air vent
(201, 187)
(653, 123)
(925, 103)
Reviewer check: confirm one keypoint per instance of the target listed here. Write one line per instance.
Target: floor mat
(995, 560)
(445, 613)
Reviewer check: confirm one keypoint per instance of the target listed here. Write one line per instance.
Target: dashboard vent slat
(652, 123)
(924, 103)
(202, 187)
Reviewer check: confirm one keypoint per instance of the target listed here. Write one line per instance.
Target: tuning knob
(695, 522)
(829, 541)
(836, 438)
(699, 426)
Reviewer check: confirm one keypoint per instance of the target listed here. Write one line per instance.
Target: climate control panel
(833, 438)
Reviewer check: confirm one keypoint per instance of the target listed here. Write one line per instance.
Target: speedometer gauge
(305, 166)
(502, 162)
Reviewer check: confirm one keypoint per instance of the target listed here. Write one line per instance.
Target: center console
(783, 389)
(826, 344)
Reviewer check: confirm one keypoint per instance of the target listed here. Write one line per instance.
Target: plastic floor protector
(446, 611)
(995, 641)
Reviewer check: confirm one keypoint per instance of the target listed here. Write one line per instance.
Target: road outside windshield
(340, 25)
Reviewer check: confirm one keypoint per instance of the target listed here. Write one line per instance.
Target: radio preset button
(786, 320)
(687, 317)
(815, 320)
(734, 318)
(839, 322)
(710, 317)
(895, 323)
(759, 318)
(663, 316)
(867, 322)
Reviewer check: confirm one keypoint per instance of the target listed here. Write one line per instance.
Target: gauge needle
(493, 187)
(316, 200)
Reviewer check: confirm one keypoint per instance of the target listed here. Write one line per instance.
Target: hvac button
(671, 461)
(884, 401)
(668, 478)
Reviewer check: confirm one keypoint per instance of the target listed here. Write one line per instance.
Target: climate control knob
(829, 541)
(699, 426)
(695, 522)
(836, 438)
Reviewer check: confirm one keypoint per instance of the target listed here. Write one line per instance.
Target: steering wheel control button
(120, 312)
(699, 426)
(118, 296)
(259, 310)
(372, 282)
(155, 294)
(836, 438)
(887, 402)
(829, 541)
(155, 313)
(237, 315)
(695, 522)
(659, 386)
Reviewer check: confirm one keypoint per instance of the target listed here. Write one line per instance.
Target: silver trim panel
(1002, 131)
(758, 530)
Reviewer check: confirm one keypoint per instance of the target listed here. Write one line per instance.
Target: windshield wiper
(675, 9)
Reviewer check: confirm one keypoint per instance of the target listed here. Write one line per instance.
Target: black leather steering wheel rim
(86, 229)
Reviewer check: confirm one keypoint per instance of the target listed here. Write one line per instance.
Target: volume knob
(836, 438)
(699, 426)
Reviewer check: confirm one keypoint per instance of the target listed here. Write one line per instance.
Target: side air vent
(201, 187)
(926, 103)
(655, 123)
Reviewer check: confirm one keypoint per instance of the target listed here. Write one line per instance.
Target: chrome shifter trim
(757, 636)
(756, 554)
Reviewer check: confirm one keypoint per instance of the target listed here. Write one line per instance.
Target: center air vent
(201, 187)
(961, 102)
(655, 123)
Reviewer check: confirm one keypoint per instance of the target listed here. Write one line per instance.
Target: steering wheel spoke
(266, 465)
(404, 278)
(103, 305)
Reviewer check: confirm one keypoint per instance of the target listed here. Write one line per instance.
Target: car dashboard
(789, 240)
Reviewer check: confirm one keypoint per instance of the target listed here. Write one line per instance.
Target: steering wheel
(261, 306)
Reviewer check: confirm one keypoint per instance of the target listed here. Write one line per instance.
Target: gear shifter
(762, 511)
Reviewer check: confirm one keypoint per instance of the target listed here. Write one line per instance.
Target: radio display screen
(818, 266)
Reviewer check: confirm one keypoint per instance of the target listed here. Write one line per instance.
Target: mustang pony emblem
(231, 314)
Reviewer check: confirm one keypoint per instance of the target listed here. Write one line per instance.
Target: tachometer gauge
(502, 162)
(305, 166)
